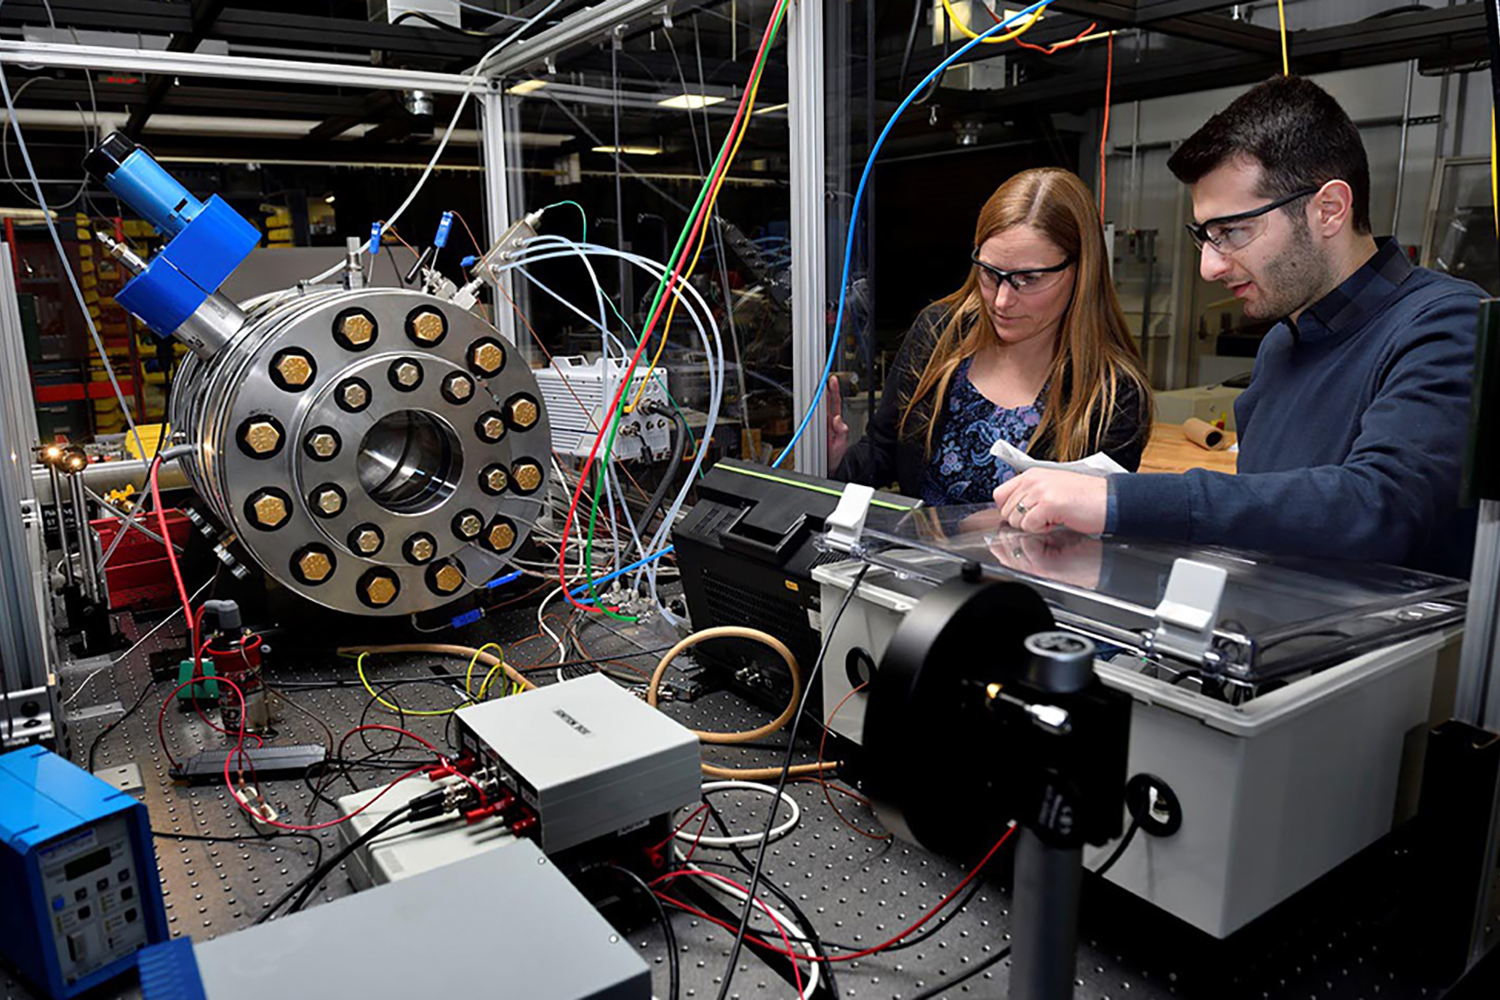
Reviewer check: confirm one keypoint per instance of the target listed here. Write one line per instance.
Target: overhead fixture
(690, 102)
(769, 108)
(328, 198)
(526, 87)
(629, 150)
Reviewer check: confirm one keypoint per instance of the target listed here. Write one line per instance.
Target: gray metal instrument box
(449, 932)
(588, 756)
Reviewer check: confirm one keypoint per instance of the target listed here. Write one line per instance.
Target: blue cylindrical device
(136, 179)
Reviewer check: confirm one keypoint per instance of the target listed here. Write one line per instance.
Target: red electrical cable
(973, 873)
(1109, 76)
(775, 921)
(625, 383)
(1055, 48)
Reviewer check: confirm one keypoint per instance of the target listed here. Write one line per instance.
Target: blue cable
(626, 569)
(859, 195)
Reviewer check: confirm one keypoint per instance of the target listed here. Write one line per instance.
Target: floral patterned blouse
(962, 469)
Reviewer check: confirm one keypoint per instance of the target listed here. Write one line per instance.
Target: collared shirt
(1350, 305)
(1352, 433)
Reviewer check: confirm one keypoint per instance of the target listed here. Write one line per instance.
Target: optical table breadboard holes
(855, 891)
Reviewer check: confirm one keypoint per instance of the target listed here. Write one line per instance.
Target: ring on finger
(1021, 508)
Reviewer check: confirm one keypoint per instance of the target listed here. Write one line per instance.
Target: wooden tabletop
(1170, 451)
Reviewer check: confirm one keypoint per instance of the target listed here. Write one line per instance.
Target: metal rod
(1045, 935)
(229, 67)
(809, 225)
(1411, 72)
(62, 525)
(87, 570)
(497, 194)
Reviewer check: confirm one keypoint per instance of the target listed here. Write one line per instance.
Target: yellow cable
(1286, 66)
(359, 665)
(469, 675)
(484, 685)
(1494, 175)
(1014, 33)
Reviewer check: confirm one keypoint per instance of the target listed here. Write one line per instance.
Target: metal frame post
(809, 231)
(497, 205)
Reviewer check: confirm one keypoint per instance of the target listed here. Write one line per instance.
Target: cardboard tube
(1204, 434)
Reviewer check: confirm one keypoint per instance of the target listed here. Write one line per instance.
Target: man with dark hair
(1352, 431)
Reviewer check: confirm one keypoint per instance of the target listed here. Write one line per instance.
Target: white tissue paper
(1097, 464)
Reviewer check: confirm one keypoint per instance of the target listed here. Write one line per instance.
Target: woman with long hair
(1033, 348)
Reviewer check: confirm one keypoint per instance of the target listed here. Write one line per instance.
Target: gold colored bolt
(460, 388)
(295, 369)
(355, 396)
(367, 541)
(270, 510)
(380, 591)
(448, 579)
(528, 476)
(421, 549)
(407, 373)
(427, 326)
(470, 525)
(501, 537)
(315, 567)
(495, 479)
(262, 437)
(357, 329)
(492, 428)
(487, 357)
(523, 413)
(323, 444)
(329, 502)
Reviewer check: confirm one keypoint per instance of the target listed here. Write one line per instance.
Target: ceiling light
(329, 198)
(629, 150)
(690, 102)
(770, 108)
(526, 87)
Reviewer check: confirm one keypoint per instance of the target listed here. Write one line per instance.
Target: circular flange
(408, 451)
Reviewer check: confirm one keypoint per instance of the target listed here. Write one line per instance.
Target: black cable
(445, 26)
(679, 450)
(786, 764)
(911, 41)
(307, 884)
(674, 984)
(1109, 862)
(94, 746)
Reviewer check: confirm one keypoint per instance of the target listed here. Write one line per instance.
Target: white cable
(463, 101)
(541, 248)
(562, 649)
(67, 267)
(793, 931)
(134, 646)
(744, 839)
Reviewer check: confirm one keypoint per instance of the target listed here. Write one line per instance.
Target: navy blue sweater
(1352, 433)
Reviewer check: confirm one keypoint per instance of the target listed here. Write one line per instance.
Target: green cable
(581, 212)
(661, 288)
(812, 487)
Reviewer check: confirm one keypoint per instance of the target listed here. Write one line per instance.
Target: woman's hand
(838, 431)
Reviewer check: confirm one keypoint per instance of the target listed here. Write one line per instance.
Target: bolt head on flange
(378, 589)
(366, 539)
(447, 579)
(501, 535)
(406, 374)
(323, 444)
(269, 510)
(262, 438)
(491, 427)
(313, 564)
(487, 357)
(427, 327)
(467, 525)
(522, 412)
(354, 330)
(527, 476)
(458, 388)
(420, 548)
(354, 395)
(493, 479)
(328, 500)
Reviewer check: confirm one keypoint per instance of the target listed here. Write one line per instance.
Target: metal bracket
(1188, 611)
(847, 521)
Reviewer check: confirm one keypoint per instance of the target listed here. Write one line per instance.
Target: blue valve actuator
(445, 225)
(208, 239)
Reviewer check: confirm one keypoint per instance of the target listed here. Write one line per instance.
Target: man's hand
(1042, 499)
(838, 431)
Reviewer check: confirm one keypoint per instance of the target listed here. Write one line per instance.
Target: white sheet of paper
(1097, 464)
